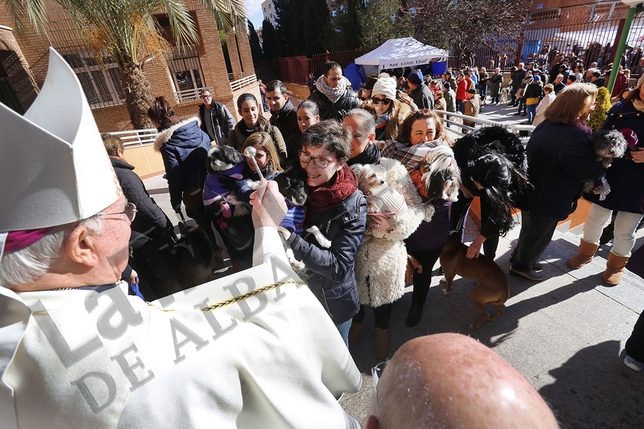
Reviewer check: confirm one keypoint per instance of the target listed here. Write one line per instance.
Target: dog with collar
(224, 164)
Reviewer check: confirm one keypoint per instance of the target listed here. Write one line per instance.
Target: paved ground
(565, 335)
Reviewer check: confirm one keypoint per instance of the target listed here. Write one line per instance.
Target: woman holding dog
(337, 207)
(421, 133)
(625, 177)
(382, 257)
(252, 121)
(236, 229)
(560, 160)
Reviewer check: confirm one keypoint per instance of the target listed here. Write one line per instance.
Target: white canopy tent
(405, 52)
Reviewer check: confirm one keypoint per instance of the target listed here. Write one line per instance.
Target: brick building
(23, 66)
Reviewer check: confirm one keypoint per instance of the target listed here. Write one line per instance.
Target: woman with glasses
(339, 210)
(382, 257)
(252, 122)
(391, 112)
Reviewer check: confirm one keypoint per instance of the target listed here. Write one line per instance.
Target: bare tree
(464, 24)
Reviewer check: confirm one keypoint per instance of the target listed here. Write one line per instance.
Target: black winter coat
(286, 120)
(423, 97)
(337, 110)
(560, 160)
(334, 281)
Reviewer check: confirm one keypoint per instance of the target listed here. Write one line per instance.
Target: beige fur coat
(381, 262)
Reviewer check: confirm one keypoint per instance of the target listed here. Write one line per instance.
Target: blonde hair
(571, 103)
(265, 141)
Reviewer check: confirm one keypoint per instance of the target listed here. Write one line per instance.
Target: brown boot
(586, 252)
(354, 333)
(614, 267)
(381, 346)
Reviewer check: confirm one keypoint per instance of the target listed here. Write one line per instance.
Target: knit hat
(385, 86)
(536, 79)
(415, 77)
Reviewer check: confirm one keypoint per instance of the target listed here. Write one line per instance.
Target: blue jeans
(531, 109)
(460, 106)
(343, 328)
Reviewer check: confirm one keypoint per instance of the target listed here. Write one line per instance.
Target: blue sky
(254, 12)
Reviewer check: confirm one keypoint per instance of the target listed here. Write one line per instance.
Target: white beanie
(385, 86)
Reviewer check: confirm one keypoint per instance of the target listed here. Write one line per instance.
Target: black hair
(245, 97)
(275, 85)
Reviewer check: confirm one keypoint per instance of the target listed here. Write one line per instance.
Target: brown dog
(493, 286)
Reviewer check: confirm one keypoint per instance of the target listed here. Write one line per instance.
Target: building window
(185, 69)
(101, 82)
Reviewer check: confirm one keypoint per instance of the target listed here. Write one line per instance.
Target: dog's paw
(321, 239)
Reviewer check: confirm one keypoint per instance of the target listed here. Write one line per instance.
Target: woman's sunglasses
(381, 100)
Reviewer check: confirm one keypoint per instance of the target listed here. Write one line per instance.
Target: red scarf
(336, 190)
(417, 179)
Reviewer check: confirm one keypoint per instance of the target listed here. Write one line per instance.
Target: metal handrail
(245, 81)
(142, 137)
(191, 94)
(514, 128)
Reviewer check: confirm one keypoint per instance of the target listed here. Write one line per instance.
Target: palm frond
(22, 11)
(228, 13)
(181, 22)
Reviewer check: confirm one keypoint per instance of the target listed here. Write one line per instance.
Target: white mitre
(55, 171)
(54, 166)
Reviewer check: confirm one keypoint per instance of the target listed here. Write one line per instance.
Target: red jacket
(461, 91)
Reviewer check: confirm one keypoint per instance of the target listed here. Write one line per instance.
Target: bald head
(452, 381)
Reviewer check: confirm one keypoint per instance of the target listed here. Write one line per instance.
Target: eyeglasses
(319, 162)
(376, 373)
(129, 211)
(381, 100)
(206, 96)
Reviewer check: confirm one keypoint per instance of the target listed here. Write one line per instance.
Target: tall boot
(381, 345)
(354, 333)
(614, 267)
(586, 252)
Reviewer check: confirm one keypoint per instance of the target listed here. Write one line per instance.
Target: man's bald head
(453, 381)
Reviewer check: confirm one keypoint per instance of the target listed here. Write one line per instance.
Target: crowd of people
(385, 186)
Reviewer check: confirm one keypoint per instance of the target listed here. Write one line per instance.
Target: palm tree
(127, 31)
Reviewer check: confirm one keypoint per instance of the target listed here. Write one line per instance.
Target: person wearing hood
(184, 148)
(333, 93)
(420, 93)
(283, 114)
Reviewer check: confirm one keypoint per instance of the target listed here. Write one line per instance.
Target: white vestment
(83, 359)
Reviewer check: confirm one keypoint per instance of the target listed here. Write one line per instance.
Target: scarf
(336, 190)
(333, 94)
(382, 121)
(638, 104)
(417, 179)
(370, 155)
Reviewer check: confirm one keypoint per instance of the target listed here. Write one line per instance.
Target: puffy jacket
(334, 281)
(221, 119)
(560, 160)
(184, 148)
(337, 110)
(423, 97)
